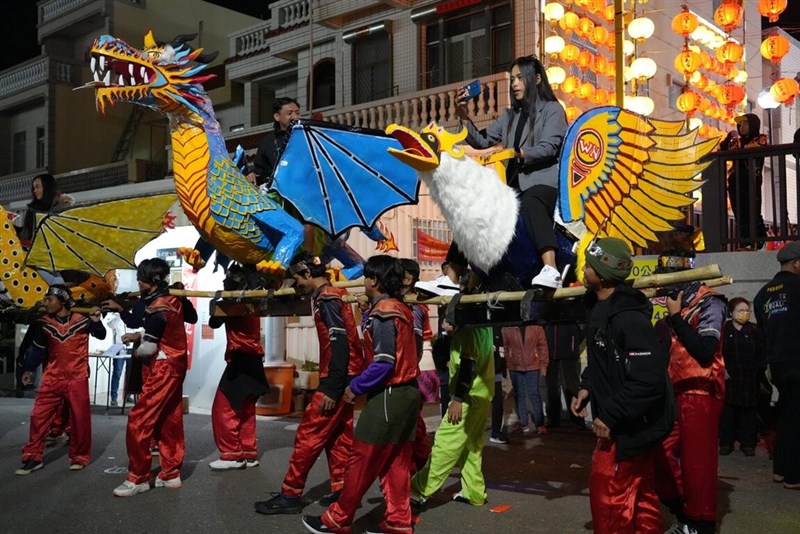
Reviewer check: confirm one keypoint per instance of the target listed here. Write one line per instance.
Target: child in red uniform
(160, 408)
(328, 420)
(64, 337)
(383, 438)
(233, 414)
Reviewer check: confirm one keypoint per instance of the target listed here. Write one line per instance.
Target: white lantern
(641, 28)
(643, 68)
(694, 123)
(627, 48)
(555, 75)
(643, 105)
(741, 77)
(553, 12)
(553, 45)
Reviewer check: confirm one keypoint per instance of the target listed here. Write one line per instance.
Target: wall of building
(23, 120)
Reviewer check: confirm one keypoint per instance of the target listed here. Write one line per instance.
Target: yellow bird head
(421, 150)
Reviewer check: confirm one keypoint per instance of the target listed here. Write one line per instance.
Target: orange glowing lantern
(703, 130)
(569, 21)
(728, 15)
(572, 113)
(733, 72)
(570, 53)
(570, 84)
(612, 98)
(731, 95)
(702, 82)
(600, 64)
(775, 47)
(585, 27)
(687, 61)
(706, 61)
(784, 90)
(597, 6)
(608, 13)
(730, 52)
(684, 22)
(600, 97)
(585, 91)
(585, 59)
(772, 8)
(688, 102)
(611, 69)
(599, 36)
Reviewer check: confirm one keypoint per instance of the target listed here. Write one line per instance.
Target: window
(468, 44)
(18, 163)
(40, 141)
(675, 90)
(324, 80)
(372, 68)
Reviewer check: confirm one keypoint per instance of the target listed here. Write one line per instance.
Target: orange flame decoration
(388, 244)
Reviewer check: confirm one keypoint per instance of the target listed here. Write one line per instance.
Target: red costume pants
(391, 463)
(623, 494)
(317, 432)
(159, 412)
(234, 431)
(52, 396)
(686, 467)
(422, 445)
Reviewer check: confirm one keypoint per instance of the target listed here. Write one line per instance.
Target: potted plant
(308, 375)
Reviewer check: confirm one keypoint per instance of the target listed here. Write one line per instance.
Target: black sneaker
(280, 504)
(28, 467)
(313, 523)
(498, 438)
(330, 498)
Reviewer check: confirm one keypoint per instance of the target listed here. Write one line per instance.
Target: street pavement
(543, 479)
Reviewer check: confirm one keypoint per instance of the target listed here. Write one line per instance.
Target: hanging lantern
(553, 12)
(694, 123)
(600, 97)
(643, 105)
(585, 59)
(728, 15)
(686, 62)
(597, 6)
(784, 90)
(707, 61)
(772, 8)
(733, 72)
(611, 69)
(612, 98)
(570, 84)
(569, 21)
(608, 13)
(572, 113)
(555, 75)
(582, 3)
(553, 45)
(684, 22)
(641, 28)
(741, 77)
(688, 102)
(643, 68)
(598, 36)
(730, 52)
(695, 78)
(731, 95)
(775, 47)
(570, 54)
(585, 91)
(628, 48)
(600, 64)
(585, 27)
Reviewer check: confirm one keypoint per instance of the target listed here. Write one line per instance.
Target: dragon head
(160, 76)
(422, 150)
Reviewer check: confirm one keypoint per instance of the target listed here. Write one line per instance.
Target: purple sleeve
(372, 378)
(419, 319)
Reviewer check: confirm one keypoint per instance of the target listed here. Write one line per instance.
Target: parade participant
(686, 468)
(382, 444)
(534, 127)
(159, 411)
(327, 422)
(627, 383)
(233, 413)
(45, 198)
(777, 308)
(284, 110)
(63, 337)
(563, 370)
(459, 440)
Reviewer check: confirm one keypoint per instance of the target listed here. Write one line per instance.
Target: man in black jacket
(284, 110)
(563, 370)
(632, 401)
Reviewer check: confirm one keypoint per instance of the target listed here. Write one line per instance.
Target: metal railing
(24, 76)
(780, 190)
(55, 8)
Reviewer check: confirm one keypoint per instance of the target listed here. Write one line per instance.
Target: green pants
(458, 445)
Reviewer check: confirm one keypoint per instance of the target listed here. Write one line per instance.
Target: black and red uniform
(340, 358)
(159, 411)
(422, 333)
(233, 413)
(65, 341)
(383, 438)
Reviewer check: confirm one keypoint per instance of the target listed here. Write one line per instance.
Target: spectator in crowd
(498, 435)
(525, 349)
(563, 370)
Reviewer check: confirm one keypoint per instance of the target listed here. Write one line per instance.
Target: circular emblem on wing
(589, 148)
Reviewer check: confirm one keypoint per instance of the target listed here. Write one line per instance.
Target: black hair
(306, 262)
(387, 272)
(529, 67)
(235, 278)
(279, 102)
(154, 271)
(411, 267)
(735, 301)
(49, 193)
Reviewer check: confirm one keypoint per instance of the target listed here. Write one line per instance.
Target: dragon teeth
(107, 78)
(142, 72)
(121, 80)
(130, 69)
(94, 64)
(102, 63)
(96, 76)
(146, 78)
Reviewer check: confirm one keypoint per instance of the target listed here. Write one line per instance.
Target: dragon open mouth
(417, 152)
(108, 71)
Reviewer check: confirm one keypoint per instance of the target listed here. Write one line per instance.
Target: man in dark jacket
(777, 308)
(632, 401)
(563, 370)
(284, 110)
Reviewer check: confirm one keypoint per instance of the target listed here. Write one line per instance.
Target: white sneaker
(251, 463)
(441, 286)
(679, 528)
(548, 277)
(225, 465)
(129, 489)
(417, 499)
(173, 483)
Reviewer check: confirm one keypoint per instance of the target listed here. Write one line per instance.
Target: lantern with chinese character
(572, 113)
(687, 61)
(775, 47)
(570, 84)
(599, 36)
(730, 52)
(772, 8)
(688, 102)
(570, 54)
(585, 59)
(585, 91)
(731, 95)
(569, 21)
(600, 97)
(585, 27)
(728, 15)
(784, 90)
(684, 22)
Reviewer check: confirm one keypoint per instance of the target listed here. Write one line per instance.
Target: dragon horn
(149, 40)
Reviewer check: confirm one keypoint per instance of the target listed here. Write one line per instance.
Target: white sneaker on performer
(129, 489)
(548, 277)
(678, 528)
(226, 465)
(251, 463)
(173, 483)
(441, 286)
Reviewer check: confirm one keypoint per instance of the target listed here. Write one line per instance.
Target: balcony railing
(780, 190)
(420, 108)
(50, 11)
(290, 12)
(25, 76)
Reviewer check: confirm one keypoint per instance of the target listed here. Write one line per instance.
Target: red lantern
(772, 8)
(730, 52)
(728, 15)
(775, 47)
(687, 61)
(731, 95)
(784, 90)
(684, 22)
(570, 53)
(688, 102)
